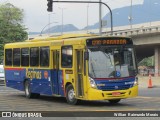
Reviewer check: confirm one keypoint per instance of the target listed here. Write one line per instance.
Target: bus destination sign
(97, 42)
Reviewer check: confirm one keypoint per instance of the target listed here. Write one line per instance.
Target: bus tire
(28, 93)
(114, 101)
(70, 95)
(36, 95)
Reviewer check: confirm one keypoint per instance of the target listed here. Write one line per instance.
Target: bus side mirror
(86, 55)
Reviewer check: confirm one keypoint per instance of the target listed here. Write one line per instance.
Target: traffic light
(49, 4)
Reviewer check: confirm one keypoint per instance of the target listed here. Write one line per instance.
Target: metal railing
(136, 31)
(120, 32)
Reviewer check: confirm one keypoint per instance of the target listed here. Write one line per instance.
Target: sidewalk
(143, 81)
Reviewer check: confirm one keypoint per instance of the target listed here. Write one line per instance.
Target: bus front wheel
(70, 95)
(28, 92)
(114, 101)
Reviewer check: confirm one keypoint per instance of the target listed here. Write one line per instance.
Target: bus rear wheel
(28, 92)
(114, 101)
(70, 95)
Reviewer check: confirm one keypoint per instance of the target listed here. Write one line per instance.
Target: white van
(1, 74)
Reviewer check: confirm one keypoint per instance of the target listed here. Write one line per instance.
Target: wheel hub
(27, 90)
(71, 95)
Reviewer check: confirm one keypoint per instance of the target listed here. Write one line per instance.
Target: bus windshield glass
(111, 62)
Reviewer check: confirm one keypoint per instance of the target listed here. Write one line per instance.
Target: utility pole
(150, 13)
(130, 17)
(100, 17)
(87, 16)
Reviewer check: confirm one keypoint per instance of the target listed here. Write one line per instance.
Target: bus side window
(34, 56)
(16, 57)
(67, 55)
(8, 57)
(25, 56)
(44, 56)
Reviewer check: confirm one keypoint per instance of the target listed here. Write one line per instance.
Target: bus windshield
(111, 62)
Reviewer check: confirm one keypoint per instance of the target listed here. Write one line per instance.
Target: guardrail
(136, 31)
(120, 32)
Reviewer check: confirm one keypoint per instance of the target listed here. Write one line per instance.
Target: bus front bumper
(94, 94)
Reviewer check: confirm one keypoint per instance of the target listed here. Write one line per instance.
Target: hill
(58, 28)
(147, 12)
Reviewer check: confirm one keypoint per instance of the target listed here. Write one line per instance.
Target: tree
(11, 28)
(147, 61)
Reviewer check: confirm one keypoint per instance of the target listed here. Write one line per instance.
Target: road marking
(144, 97)
(148, 97)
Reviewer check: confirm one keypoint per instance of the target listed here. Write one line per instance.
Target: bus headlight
(92, 83)
(136, 81)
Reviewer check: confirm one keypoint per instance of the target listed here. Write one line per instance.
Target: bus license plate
(116, 93)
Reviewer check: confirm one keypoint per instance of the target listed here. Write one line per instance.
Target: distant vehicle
(1, 74)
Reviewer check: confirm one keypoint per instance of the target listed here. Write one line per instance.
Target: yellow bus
(78, 67)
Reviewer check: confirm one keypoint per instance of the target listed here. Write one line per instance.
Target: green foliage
(147, 62)
(11, 28)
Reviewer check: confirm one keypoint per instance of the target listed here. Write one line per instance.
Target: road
(147, 100)
(13, 100)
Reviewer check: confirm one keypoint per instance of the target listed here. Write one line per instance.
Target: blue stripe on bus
(111, 84)
(41, 81)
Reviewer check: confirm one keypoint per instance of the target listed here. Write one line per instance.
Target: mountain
(33, 33)
(147, 12)
(142, 13)
(58, 28)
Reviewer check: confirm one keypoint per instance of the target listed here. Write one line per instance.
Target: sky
(36, 15)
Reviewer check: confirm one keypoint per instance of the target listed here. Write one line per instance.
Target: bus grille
(110, 88)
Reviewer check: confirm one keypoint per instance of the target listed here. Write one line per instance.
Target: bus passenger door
(55, 78)
(79, 82)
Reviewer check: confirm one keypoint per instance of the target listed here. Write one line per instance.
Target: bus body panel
(94, 94)
(57, 82)
(61, 83)
(15, 78)
(41, 81)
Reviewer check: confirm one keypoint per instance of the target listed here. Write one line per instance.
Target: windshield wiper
(93, 69)
(108, 56)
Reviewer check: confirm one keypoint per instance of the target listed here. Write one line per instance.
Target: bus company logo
(100, 84)
(33, 74)
(116, 87)
(45, 74)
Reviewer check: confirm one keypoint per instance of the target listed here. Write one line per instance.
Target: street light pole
(62, 20)
(45, 27)
(49, 21)
(90, 2)
(49, 24)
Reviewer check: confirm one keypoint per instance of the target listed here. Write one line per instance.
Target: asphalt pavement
(148, 99)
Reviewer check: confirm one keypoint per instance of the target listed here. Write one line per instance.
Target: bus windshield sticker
(69, 71)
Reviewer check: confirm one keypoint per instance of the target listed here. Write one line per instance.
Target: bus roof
(61, 39)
